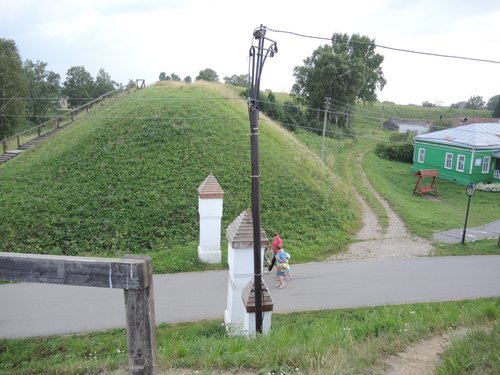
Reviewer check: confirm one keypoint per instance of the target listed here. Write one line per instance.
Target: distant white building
(408, 125)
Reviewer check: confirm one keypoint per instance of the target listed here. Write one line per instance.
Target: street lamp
(471, 188)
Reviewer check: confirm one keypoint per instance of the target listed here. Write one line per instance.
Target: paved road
(38, 309)
(490, 230)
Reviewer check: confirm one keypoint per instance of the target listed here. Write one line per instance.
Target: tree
(43, 89)
(428, 104)
(207, 75)
(346, 71)
(103, 83)
(496, 112)
(493, 102)
(237, 80)
(188, 79)
(163, 76)
(175, 77)
(79, 86)
(475, 102)
(13, 87)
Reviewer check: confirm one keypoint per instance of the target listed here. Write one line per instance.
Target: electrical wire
(388, 47)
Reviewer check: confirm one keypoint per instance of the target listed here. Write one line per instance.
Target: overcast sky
(133, 39)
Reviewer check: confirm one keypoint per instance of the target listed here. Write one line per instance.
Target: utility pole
(327, 107)
(258, 56)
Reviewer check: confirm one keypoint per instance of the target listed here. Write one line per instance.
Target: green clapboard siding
(435, 158)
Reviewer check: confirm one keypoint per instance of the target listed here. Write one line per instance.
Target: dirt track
(374, 243)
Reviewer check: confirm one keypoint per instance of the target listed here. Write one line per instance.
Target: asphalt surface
(490, 230)
(41, 310)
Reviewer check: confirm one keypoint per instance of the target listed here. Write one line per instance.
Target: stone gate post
(210, 197)
(240, 260)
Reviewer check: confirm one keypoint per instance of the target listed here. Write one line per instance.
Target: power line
(388, 47)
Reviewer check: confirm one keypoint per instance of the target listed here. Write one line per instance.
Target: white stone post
(248, 296)
(210, 197)
(240, 260)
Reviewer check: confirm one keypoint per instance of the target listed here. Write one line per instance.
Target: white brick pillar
(248, 296)
(210, 197)
(241, 271)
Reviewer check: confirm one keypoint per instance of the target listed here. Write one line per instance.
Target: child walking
(288, 272)
(281, 265)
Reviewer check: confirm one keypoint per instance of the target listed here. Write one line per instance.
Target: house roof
(394, 123)
(483, 135)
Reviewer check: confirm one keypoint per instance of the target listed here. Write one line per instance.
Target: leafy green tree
(207, 75)
(162, 76)
(43, 89)
(496, 112)
(13, 87)
(103, 83)
(475, 102)
(188, 79)
(237, 80)
(175, 77)
(428, 104)
(493, 102)
(79, 86)
(346, 71)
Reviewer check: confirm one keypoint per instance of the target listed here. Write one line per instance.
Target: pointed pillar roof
(248, 297)
(210, 188)
(240, 232)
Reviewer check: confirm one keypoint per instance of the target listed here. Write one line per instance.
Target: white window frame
(486, 164)
(460, 163)
(421, 155)
(448, 161)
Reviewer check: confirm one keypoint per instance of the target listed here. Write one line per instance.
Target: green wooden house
(465, 154)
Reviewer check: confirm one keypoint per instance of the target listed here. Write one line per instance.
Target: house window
(486, 164)
(461, 163)
(449, 160)
(421, 155)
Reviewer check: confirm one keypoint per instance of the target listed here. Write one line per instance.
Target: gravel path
(396, 242)
(374, 243)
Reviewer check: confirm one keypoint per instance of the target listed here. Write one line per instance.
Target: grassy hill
(124, 180)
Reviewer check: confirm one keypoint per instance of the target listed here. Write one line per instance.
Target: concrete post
(210, 197)
(248, 297)
(240, 260)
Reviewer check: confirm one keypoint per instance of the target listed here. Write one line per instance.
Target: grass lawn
(123, 180)
(425, 215)
(345, 341)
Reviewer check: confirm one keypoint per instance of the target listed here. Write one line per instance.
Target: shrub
(399, 151)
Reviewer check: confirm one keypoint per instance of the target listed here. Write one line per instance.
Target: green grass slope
(124, 179)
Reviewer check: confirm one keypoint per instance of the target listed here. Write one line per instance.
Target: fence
(134, 275)
(15, 141)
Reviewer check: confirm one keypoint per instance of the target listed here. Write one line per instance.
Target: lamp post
(258, 56)
(471, 188)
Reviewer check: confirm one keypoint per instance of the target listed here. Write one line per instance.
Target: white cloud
(139, 39)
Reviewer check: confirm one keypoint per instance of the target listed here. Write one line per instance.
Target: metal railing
(15, 141)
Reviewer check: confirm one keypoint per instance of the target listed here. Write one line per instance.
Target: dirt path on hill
(396, 242)
(422, 357)
(375, 243)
